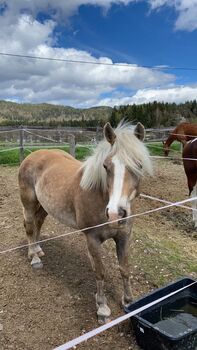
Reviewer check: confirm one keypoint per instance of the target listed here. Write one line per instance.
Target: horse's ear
(139, 131)
(109, 133)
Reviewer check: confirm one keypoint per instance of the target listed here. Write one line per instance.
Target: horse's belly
(60, 210)
(64, 217)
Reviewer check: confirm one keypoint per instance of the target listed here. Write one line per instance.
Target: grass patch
(11, 157)
(160, 261)
(156, 148)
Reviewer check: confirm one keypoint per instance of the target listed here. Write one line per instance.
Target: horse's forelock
(128, 149)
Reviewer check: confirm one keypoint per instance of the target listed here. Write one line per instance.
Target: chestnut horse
(190, 166)
(82, 195)
(182, 133)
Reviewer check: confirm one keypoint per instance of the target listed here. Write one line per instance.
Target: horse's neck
(170, 139)
(178, 134)
(181, 133)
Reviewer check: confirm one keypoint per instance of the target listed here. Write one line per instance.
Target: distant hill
(152, 115)
(46, 114)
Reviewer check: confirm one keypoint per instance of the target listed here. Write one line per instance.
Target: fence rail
(25, 138)
(9, 134)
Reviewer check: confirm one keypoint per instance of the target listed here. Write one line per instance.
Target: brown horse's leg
(30, 207)
(122, 248)
(40, 216)
(34, 248)
(103, 311)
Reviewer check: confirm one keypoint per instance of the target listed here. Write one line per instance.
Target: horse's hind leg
(40, 216)
(34, 248)
(33, 219)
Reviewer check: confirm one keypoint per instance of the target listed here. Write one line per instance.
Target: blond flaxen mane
(128, 149)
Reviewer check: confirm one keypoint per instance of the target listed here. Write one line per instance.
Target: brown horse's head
(123, 167)
(166, 148)
(116, 167)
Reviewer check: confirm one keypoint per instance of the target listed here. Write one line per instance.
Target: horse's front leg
(122, 248)
(94, 249)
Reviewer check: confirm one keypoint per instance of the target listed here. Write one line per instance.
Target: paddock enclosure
(44, 308)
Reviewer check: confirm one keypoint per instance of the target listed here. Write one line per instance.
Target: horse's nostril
(122, 213)
(107, 213)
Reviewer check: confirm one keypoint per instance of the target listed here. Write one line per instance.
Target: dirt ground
(43, 309)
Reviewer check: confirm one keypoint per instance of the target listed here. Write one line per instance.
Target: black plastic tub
(172, 323)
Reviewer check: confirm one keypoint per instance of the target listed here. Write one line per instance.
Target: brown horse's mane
(127, 147)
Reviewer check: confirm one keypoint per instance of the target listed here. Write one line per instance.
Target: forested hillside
(154, 114)
(52, 115)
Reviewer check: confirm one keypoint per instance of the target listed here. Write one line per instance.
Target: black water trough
(172, 323)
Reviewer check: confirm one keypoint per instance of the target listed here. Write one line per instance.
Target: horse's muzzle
(115, 219)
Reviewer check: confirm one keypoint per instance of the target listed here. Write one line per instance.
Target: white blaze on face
(116, 199)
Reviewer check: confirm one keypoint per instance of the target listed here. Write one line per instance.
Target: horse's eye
(105, 166)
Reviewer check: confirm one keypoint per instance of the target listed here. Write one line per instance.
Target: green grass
(160, 260)
(156, 148)
(12, 157)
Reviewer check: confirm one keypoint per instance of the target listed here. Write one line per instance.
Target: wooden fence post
(72, 145)
(21, 149)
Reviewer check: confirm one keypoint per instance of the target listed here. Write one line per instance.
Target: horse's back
(50, 178)
(187, 129)
(43, 159)
(190, 149)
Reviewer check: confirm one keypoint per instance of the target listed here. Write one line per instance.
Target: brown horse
(190, 166)
(182, 133)
(86, 194)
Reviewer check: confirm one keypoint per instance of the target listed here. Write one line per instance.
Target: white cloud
(61, 10)
(56, 8)
(29, 80)
(66, 83)
(175, 94)
(186, 9)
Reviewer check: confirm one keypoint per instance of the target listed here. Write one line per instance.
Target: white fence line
(9, 149)
(174, 204)
(61, 144)
(4, 131)
(89, 147)
(172, 158)
(42, 137)
(175, 134)
(164, 201)
(159, 147)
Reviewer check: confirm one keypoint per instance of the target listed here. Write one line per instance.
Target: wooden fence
(23, 137)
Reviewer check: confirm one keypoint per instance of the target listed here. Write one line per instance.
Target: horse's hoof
(37, 266)
(125, 303)
(103, 319)
(103, 313)
(41, 254)
(36, 263)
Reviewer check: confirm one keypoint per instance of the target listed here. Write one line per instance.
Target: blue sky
(136, 32)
